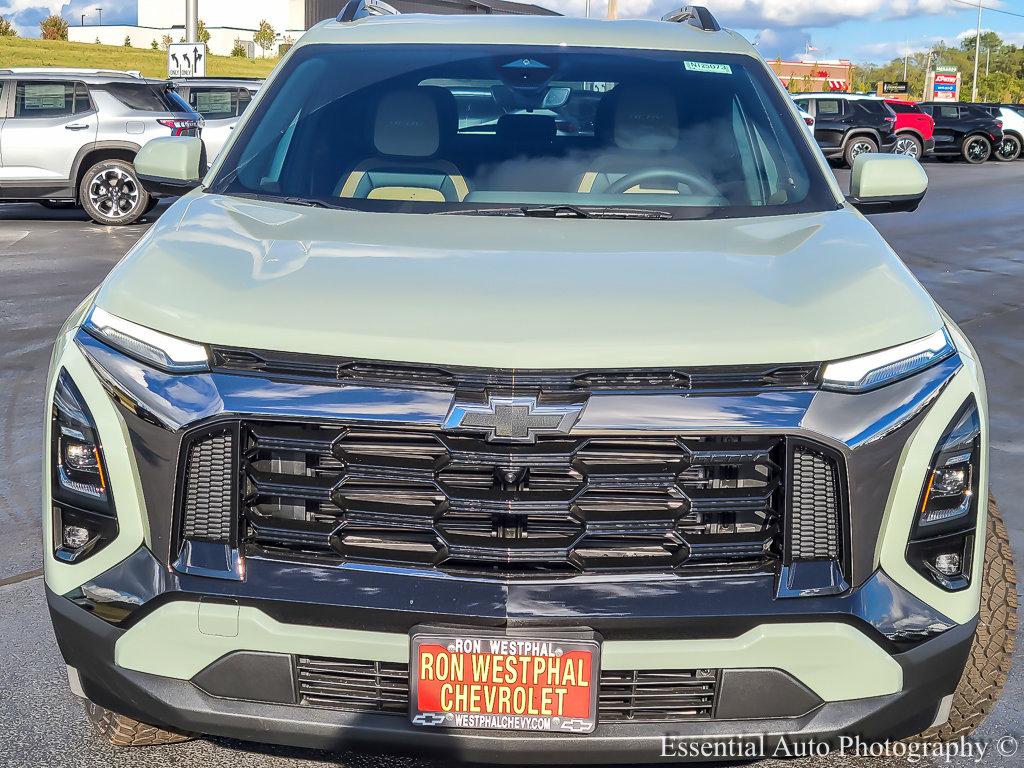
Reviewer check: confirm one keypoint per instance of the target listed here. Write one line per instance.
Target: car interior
(522, 136)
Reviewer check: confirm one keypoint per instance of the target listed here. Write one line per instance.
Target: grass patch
(28, 52)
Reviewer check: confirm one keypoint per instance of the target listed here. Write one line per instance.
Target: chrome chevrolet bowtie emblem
(513, 419)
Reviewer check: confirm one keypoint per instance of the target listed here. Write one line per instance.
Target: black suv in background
(964, 130)
(846, 125)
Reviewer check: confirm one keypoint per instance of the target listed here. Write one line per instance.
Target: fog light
(76, 537)
(948, 564)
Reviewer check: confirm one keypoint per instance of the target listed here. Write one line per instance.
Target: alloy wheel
(114, 193)
(908, 146)
(860, 148)
(977, 150)
(1009, 148)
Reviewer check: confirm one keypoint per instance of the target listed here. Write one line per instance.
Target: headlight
(168, 353)
(860, 374)
(942, 543)
(83, 511)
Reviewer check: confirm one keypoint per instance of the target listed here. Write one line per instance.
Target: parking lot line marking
(17, 579)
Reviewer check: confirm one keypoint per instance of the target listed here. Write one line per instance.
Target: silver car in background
(221, 101)
(69, 137)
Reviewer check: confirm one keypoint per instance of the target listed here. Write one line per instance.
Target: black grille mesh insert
(624, 696)
(657, 695)
(814, 506)
(208, 490)
(356, 686)
(441, 500)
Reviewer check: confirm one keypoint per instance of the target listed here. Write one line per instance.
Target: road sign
(186, 60)
(896, 86)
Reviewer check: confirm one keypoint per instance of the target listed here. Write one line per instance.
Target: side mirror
(172, 165)
(887, 184)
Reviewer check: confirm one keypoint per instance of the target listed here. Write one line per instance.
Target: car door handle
(75, 127)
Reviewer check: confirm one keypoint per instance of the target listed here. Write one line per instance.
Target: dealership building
(231, 21)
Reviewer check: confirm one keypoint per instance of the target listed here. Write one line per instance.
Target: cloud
(759, 14)
(782, 24)
(26, 14)
(783, 43)
(1010, 38)
(755, 14)
(894, 49)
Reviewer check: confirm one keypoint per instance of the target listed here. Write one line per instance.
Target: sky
(860, 30)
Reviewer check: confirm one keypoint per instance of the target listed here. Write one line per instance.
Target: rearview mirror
(887, 183)
(171, 166)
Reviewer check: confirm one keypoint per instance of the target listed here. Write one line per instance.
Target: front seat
(409, 126)
(641, 125)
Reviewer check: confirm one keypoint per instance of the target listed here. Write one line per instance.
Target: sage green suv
(522, 390)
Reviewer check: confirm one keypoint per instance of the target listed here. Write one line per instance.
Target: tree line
(1000, 70)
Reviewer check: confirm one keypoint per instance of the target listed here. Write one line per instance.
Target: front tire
(1009, 148)
(112, 194)
(909, 145)
(992, 651)
(123, 731)
(977, 150)
(857, 146)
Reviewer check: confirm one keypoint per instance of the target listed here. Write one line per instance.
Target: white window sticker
(704, 66)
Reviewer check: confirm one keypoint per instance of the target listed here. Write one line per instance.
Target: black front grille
(564, 504)
(624, 696)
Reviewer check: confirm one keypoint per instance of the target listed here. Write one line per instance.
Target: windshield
(466, 128)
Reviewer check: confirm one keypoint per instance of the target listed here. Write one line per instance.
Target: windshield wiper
(555, 212)
(308, 202)
(630, 213)
(481, 212)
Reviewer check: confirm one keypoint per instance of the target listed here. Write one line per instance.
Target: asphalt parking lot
(966, 245)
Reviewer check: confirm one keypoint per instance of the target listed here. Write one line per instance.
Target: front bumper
(875, 660)
(929, 672)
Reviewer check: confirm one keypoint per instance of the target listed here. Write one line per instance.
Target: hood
(520, 293)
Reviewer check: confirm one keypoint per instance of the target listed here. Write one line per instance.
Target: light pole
(977, 55)
(191, 21)
(906, 61)
(588, 9)
(100, 12)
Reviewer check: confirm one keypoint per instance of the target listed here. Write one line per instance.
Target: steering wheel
(695, 182)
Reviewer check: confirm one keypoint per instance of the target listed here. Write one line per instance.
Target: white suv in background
(69, 137)
(221, 101)
(1012, 145)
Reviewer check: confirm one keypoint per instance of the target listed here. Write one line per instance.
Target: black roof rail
(360, 9)
(696, 16)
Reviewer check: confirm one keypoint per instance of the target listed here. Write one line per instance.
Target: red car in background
(915, 130)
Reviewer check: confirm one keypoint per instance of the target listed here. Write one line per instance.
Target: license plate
(506, 683)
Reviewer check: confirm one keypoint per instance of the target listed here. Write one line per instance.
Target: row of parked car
(68, 137)
(847, 125)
